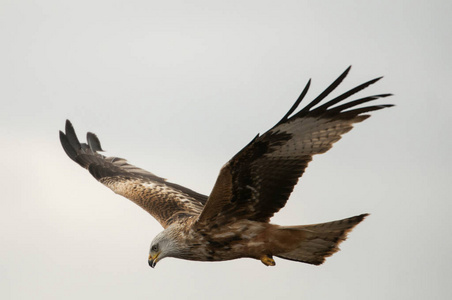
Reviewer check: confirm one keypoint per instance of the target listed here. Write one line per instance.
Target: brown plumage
(233, 222)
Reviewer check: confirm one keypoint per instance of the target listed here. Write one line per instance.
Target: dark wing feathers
(255, 183)
(93, 142)
(166, 201)
(326, 92)
(258, 180)
(295, 105)
(348, 94)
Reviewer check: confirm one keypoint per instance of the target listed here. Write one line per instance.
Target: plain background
(178, 87)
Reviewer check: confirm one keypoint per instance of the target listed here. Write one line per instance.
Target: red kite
(233, 221)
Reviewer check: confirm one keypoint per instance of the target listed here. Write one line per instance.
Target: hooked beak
(152, 260)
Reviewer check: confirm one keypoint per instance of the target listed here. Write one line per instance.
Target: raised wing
(258, 180)
(165, 201)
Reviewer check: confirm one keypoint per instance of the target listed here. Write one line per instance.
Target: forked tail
(319, 240)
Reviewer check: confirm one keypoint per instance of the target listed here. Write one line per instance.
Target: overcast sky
(177, 88)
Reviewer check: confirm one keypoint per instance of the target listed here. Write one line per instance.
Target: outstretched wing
(165, 201)
(258, 180)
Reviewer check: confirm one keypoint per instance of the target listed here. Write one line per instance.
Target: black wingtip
(345, 73)
(386, 105)
(71, 136)
(70, 151)
(358, 111)
(295, 105)
(327, 91)
(68, 125)
(93, 142)
(348, 94)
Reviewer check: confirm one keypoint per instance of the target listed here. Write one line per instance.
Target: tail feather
(320, 240)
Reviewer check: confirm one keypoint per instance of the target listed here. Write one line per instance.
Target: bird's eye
(155, 248)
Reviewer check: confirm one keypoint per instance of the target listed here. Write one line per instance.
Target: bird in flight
(234, 220)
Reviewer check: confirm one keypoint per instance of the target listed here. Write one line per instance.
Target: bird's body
(243, 238)
(258, 240)
(234, 220)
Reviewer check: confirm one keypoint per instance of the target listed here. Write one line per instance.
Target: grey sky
(177, 88)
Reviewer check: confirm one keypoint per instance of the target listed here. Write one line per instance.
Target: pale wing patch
(310, 136)
(160, 200)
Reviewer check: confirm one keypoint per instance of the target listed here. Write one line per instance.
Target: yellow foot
(267, 260)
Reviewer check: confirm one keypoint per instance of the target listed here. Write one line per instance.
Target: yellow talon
(267, 260)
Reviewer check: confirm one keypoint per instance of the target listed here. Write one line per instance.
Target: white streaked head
(165, 244)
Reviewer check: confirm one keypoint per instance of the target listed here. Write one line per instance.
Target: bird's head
(165, 244)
